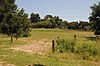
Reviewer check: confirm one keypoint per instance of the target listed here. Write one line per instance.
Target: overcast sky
(70, 10)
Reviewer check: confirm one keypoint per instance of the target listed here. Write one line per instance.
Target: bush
(26, 34)
(86, 51)
(64, 45)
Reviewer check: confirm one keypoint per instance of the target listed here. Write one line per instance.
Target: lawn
(21, 58)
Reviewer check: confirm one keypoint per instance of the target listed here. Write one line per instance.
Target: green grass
(23, 59)
(5, 41)
(53, 33)
(57, 59)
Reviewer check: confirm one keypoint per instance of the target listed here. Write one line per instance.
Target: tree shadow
(37, 65)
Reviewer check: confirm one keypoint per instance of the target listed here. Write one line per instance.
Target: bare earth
(3, 64)
(34, 46)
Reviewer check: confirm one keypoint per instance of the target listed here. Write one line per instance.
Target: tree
(12, 22)
(48, 17)
(95, 18)
(82, 25)
(7, 7)
(34, 18)
(50, 21)
(21, 24)
(73, 25)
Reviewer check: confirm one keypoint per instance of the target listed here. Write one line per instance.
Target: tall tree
(7, 7)
(12, 21)
(34, 18)
(21, 23)
(95, 18)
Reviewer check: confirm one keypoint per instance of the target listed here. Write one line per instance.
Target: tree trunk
(16, 37)
(11, 38)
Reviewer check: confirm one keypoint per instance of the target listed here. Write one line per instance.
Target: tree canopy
(95, 18)
(34, 18)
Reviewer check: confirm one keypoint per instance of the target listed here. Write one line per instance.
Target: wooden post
(75, 39)
(53, 46)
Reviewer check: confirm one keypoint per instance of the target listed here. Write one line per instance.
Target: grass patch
(23, 59)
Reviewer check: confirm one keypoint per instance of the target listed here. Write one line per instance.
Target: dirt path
(34, 46)
(3, 64)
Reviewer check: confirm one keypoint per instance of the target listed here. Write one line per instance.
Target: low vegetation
(64, 45)
(85, 52)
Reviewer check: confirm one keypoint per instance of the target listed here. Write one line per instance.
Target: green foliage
(64, 45)
(48, 22)
(47, 17)
(87, 28)
(26, 34)
(13, 22)
(42, 24)
(34, 18)
(95, 18)
(86, 51)
(82, 25)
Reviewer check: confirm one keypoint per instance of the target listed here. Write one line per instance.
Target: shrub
(26, 34)
(64, 45)
(86, 51)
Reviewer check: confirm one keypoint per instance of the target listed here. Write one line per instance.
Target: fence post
(53, 46)
(75, 39)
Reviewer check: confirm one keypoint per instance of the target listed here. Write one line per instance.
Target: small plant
(64, 45)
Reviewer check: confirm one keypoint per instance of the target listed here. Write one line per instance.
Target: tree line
(50, 21)
(15, 22)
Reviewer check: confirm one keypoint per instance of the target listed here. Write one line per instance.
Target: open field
(37, 49)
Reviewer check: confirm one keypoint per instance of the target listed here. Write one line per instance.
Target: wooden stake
(75, 39)
(53, 46)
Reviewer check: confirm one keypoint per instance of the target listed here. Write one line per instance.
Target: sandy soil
(34, 46)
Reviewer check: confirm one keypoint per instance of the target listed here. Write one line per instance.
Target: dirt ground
(3, 64)
(34, 46)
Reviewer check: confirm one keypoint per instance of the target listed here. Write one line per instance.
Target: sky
(69, 10)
